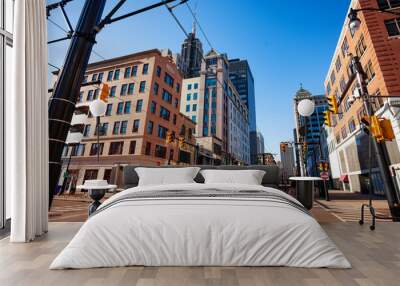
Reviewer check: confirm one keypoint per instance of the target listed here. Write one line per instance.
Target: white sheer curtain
(26, 123)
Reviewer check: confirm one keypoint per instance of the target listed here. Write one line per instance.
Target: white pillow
(247, 177)
(166, 176)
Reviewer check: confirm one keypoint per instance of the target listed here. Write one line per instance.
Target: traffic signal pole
(63, 100)
(62, 103)
(379, 147)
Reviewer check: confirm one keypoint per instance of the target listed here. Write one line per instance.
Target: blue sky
(285, 42)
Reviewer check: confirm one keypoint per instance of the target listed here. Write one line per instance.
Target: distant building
(212, 101)
(266, 159)
(143, 105)
(242, 78)
(260, 143)
(309, 131)
(191, 55)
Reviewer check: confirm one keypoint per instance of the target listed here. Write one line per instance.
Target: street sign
(324, 176)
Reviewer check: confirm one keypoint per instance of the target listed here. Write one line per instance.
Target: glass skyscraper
(242, 78)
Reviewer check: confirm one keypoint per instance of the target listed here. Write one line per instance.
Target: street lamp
(98, 108)
(355, 22)
(306, 107)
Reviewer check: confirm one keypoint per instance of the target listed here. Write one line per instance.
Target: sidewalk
(346, 206)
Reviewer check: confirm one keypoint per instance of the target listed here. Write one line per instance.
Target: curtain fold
(27, 123)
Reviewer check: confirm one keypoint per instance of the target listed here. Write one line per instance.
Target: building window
(189, 87)
(150, 126)
(194, 119)
(110, 75)
(103, 129)
(333, 77)
(132, 147)
(352, 125)
(96, 94)
(147, 151)
(78, 150)
(164, 113)
(195, 96)
(145, 69)
(86, 130)
(342, 84)
(328, 88)
(116, 127)
(369, 71)
(166, 96)
(123, 90)
(142, 86)
(155, 88)
(161, 151)
(344, 132)
(113, 89)
(176, 103)
(93, 149)
(109, 109)
(345, 47)
(178, 87)
(136, 124)
(139, 105)
(388, 4)
(116, 148)
(116, 74)
(90, 95)
(162, 132)
(127, 72)
(174, 119)
(134, 71)
(158, 71)
(360, 46)
(187, 107)
(100, 77)
(168, 79)
(80, 97)
(127, 107)
(131, 88)
(94, 77)
(188, 97)
(124, 125)
(85, 79)
(194, 107)
(338, 64)
(153, 107)
(393, 27)
(90, 175)
(196, 85)
(120, 108)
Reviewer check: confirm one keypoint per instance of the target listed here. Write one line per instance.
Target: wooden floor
(375, 257)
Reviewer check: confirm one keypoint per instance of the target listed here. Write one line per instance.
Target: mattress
(201, 225)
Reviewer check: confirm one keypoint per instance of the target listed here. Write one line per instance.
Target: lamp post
(98, 108)
(379, 147)
(306, 108)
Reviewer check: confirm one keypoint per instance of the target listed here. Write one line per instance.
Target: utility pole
(379, 147)
(63, 100)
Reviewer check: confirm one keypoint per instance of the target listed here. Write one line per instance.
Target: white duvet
(202, 232)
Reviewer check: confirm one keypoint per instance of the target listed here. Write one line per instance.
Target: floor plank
(375, 257)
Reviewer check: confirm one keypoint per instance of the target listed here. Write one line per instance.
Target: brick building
(143, 105)
(377, 44)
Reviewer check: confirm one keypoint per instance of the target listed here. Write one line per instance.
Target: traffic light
(387, 129)
(333, 106)
(283, 147)
(170, 137)
(105, 91)
(375, 129)
(181, 142)
(327, 118)
(326, 166)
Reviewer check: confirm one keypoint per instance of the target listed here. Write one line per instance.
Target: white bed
(200, 231)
